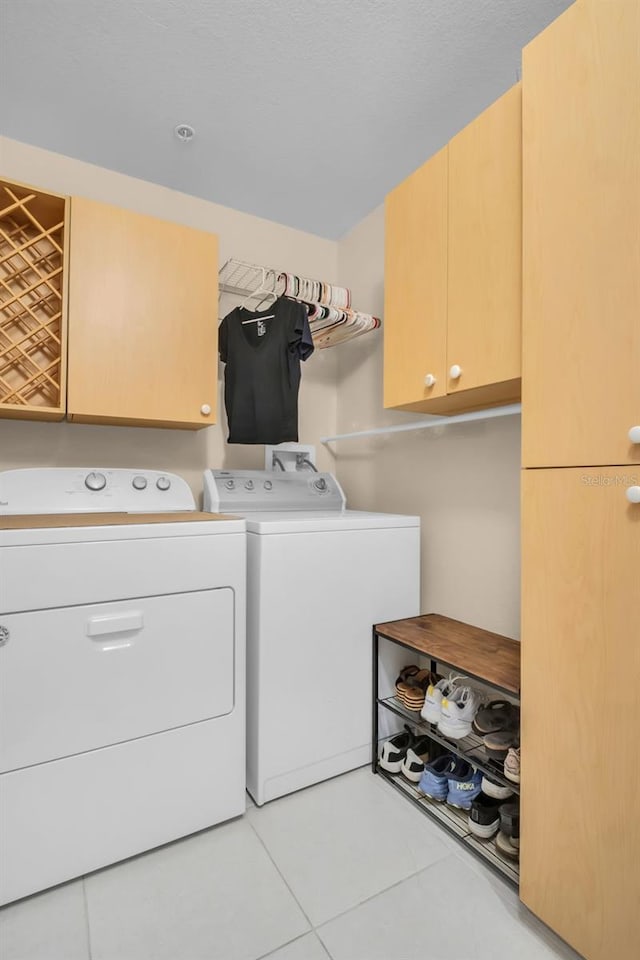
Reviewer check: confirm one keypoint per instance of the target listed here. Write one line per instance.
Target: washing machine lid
(269, 523)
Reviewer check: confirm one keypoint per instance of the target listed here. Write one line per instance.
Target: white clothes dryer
(122, 658)
(319, 576)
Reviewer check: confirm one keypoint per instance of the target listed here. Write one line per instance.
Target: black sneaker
(510, 821)
(415, 759)
(484, 816)
(394, 750)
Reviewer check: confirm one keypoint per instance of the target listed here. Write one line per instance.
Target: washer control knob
(163, 483)
(268, 485)
(320, 483)
(95, 481)
(139, 483)
(230, 484)
(249, 485)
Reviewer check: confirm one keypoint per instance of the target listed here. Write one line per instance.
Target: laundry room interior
(313, 527)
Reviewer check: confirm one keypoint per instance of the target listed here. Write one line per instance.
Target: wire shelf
(331, 318)
(470, 748)
(456, 823)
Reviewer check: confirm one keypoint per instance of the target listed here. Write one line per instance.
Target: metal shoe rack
(487, 657)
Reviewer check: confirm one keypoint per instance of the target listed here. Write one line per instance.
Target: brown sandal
(412, 690)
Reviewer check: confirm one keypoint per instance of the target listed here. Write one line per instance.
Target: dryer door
(78, 678)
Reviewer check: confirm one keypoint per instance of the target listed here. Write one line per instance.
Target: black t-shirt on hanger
(262, 373)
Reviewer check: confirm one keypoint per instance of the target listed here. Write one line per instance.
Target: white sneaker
(458, 710)
(432, 708)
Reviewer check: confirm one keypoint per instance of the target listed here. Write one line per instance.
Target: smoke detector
(184, 132)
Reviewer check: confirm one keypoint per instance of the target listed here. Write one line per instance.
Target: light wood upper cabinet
(142, 319)
(580, 832)
(453, 275)
(581, 306)
(485, 262)
(415, 286)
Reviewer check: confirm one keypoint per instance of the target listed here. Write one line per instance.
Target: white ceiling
(306, 111)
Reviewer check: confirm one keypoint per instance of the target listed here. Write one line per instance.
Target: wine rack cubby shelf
(33, 313)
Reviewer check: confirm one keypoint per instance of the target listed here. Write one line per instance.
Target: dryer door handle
(115, 623)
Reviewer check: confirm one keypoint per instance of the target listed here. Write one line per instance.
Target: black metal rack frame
(470, 748)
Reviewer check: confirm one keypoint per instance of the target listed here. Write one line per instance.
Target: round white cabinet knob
(455, 372)
(633, 494)
(205, 409)
(429, 380)
(634, 434)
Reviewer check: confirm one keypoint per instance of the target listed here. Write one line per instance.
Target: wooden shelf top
(478, 653)
(44, 521)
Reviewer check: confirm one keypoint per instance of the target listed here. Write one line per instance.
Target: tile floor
(344, 870)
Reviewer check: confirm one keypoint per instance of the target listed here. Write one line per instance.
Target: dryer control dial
(163, 483)
(95, 481)
(139, 483)
(320, 484)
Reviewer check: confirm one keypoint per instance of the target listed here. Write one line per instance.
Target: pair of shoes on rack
(411, 686)
(452, 780)
(405, 753)
(508, 840)
(512, 765)
(453, 705)
(498, 723)
(489, 815)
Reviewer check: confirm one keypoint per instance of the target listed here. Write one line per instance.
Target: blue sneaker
(464, 785)
(434, 782)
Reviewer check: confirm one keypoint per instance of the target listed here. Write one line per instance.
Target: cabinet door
(485, 248)
(580, 843)
(142, 319)
(581, 306)
(415, 285)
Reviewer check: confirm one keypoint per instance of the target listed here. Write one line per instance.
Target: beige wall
(463, 480)
(250, 238)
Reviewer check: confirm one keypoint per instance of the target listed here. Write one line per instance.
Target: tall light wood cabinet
(580, 837)
(415, 286)
(453, 233)
(142, 319)
(581, 307)
(485, 261)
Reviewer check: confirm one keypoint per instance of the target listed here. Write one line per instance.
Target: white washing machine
(319, 576)
(122, 662)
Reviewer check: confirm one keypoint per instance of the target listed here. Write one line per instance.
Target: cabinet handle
(205, 409)
(430, 380)
(633, 494)
(634, 434)
(455, 372)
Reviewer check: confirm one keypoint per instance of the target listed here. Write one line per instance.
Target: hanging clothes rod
(332, 319)
(510, 410)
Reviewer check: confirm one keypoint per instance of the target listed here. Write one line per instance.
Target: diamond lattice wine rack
(33, 269)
